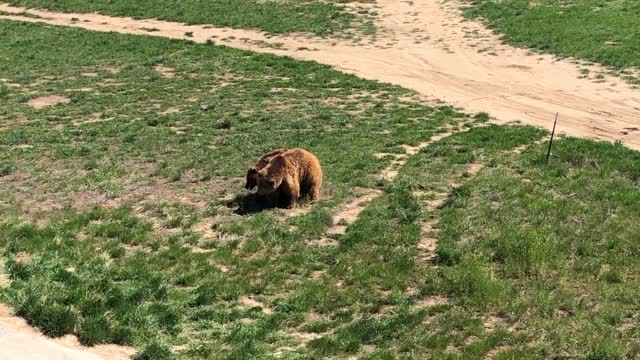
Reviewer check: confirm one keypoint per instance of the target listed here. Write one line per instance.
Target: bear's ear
(279, 162)
(252, 182)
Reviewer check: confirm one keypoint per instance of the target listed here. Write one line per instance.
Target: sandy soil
(15, 333)
(427, 46)
(349, 212)
(45, 101)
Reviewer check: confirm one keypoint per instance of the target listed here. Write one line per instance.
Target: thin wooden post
(551, 141)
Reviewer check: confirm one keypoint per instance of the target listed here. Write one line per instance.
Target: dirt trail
(349, 211)
(16, 334)
(427, 46)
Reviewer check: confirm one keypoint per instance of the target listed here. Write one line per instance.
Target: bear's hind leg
(314, 192)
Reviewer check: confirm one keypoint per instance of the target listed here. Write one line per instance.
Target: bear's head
(270, 178)
(252, 178)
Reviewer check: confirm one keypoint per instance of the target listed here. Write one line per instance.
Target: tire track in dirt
(429, 241)
(349, 211)
(427, 46)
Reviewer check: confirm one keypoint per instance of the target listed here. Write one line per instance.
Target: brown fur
(291, 174)
(252, 173)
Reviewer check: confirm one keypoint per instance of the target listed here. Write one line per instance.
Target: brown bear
(289, 175)
(252, 173)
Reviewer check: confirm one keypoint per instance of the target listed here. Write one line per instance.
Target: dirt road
(427, 46)
(18, 341)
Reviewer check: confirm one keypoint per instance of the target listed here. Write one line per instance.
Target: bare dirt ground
(19, 341)
(44, 101)
(428, 46)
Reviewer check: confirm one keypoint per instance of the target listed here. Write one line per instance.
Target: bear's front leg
(289, 193)
(288, 202)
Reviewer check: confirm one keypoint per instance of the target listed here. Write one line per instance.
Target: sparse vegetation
(317, 17)
(593, 30)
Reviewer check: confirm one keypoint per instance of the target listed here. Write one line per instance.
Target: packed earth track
(429, 47)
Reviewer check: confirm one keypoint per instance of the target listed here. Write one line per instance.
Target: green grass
(124, 220)
(318, 17)
(210, 120)
(165, 172)
(548, 250)
(601, 31)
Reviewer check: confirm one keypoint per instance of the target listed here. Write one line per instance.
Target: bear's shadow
(250, 204)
